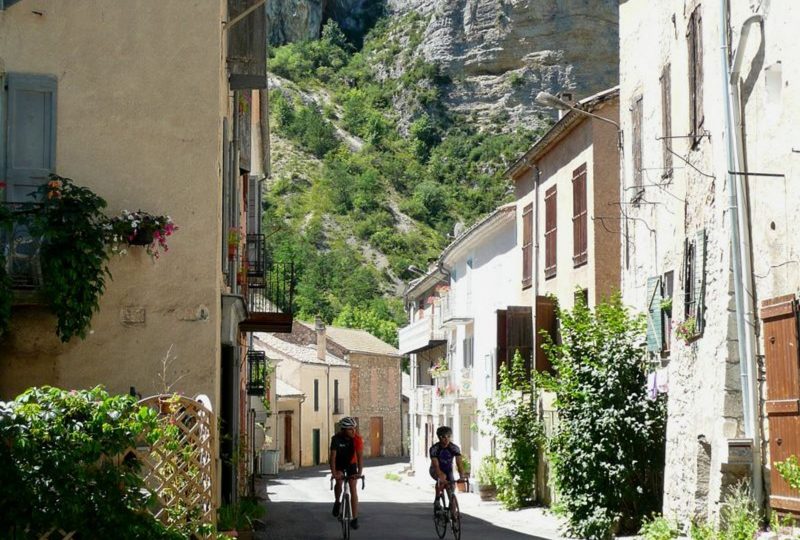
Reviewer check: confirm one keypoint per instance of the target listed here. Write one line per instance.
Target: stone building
(710, 238)
(374, 396)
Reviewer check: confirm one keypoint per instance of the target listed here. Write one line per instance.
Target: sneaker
(354, 523)
(336, 506)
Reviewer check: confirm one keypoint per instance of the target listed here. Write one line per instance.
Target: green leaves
(608, 449)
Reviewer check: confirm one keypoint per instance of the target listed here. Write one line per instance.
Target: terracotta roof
(289, 351)
(284, 389)
(358, 341)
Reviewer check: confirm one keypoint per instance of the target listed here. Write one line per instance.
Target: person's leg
(354, 496)
(337, 492)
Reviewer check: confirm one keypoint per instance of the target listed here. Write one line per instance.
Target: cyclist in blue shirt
(442, 454)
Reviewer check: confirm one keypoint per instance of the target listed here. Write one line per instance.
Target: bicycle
(448, 513)
(345, 508)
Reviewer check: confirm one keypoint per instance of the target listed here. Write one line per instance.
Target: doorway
(315, 446)
(376, 436)
(287, 439)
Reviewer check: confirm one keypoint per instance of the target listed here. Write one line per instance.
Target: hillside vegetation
(370, 171)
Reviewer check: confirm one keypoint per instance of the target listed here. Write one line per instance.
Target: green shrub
(488, 471)
(702, 531)
(58, 466)
(740, 516)
(659, 528)
(790, 471)
(608, 449)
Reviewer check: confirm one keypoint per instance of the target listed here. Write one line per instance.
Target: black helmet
(444, 431)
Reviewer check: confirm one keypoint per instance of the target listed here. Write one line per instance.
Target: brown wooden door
(375, 436)
(783, 393)
(287, 438)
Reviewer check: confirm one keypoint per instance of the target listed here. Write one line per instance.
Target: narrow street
(300, 504)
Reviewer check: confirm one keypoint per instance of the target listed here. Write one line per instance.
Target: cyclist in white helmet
(345, 461)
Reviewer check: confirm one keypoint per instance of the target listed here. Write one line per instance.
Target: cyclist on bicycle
(442, 455)
(345, 461)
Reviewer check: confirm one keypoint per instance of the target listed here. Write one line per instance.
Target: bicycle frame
(449, 514)
(346, 508)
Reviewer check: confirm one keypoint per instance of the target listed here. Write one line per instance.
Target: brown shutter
(527, 245)
(502, 349)
(694, 34)
(666, 120)
(550, 244)
(545, 321)
(636, 119)
(519, 330)
(783, 393)
(247, 46)
(579, 217)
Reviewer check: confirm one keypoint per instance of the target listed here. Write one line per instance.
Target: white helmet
(348, 422)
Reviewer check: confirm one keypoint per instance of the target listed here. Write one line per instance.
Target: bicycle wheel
(346, 515)
(440, 519)
(455, 515)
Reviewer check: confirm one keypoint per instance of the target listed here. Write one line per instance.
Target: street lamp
(547, 99)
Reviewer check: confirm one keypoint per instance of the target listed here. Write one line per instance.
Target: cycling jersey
(446, 455)
(346, 450)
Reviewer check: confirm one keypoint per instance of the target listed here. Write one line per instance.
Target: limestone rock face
(502, 52)
(293, 20)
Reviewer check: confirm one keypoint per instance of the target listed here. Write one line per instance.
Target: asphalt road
(300, 505)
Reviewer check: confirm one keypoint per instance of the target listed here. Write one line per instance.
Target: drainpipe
(740, 244)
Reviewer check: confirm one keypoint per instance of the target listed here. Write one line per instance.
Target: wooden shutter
(666, 120)
(253, 205)
(520, 334)
(636, 120)
(688, 279)
(31, 141)
(316, 394)
(502, 349)
(655, 326)
(699, 276)
(579, 217)
(550, 244)
(694, 34)
(247, 46)
(243, 106)
(527, 245)
(783, 393)
(469, 358)
(546, 321)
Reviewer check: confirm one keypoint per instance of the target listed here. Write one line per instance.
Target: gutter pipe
(740, 244)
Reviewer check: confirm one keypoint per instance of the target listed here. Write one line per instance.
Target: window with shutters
(527, 246)
(579, 217)
(666, 121)
(336, 409)
(514, 333)
(667, 284)
(636, 141)
(694, 270)
(469, 352)
(550, 244)
(655, 332)
(316, 394)
(694, 37)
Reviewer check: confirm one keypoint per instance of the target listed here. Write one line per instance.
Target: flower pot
(487, 492)
(141, 238)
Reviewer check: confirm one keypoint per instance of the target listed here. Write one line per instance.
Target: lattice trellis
(180, 468)
(57, 534)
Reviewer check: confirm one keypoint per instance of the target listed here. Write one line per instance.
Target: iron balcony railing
(272, 290)
(255, 251)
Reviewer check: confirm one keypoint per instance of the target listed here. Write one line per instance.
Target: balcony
(455, 310)
(269, 294)
(424, 333)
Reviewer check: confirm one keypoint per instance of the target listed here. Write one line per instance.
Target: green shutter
(699, 275)
(655, 331)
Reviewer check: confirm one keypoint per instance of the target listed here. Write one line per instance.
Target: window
(316, 394)
(694, 37)
(579, 217)
(636, 121)
(527, 246)
(666, 121)
(581, 296)
(694, 270)
(667, 285)
(550, 233)
(469, 352)
(336, 409)
(514, 333)
(655, 334)
(31, 130)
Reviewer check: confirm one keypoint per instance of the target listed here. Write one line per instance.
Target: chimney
(319, 327)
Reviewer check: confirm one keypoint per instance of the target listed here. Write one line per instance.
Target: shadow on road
(396, 521)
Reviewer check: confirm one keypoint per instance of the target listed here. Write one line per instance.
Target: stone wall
(375, 385)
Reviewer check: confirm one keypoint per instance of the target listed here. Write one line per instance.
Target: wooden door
(375, 436)
(287, 438)
(783, 393)
(315, 449)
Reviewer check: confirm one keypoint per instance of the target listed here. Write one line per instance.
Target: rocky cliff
(498, 53)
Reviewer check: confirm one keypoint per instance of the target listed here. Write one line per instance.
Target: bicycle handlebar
(351, 477)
